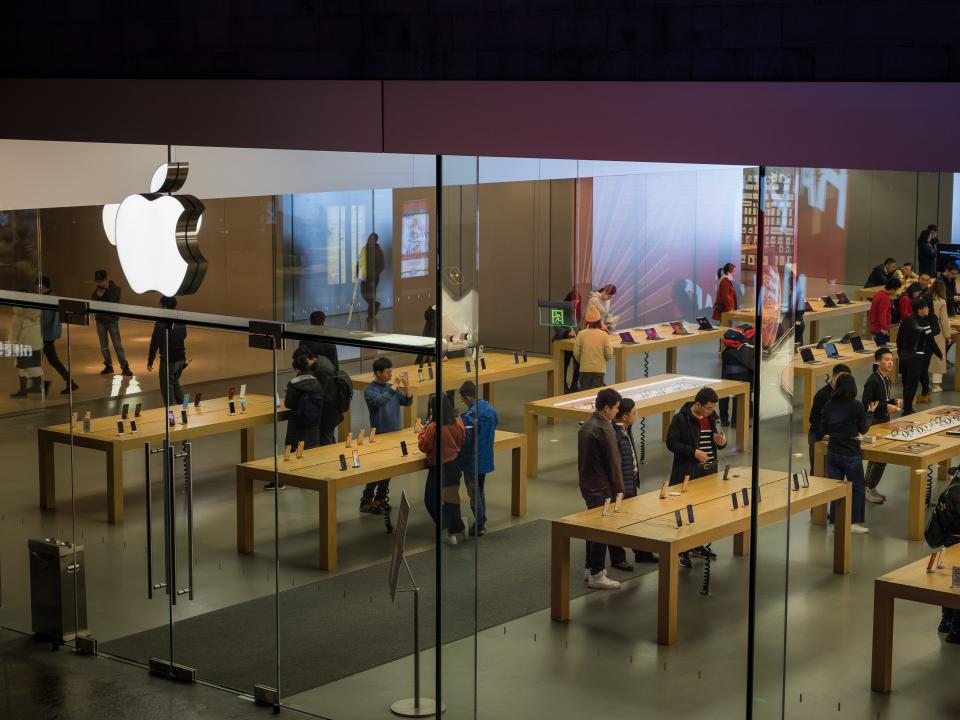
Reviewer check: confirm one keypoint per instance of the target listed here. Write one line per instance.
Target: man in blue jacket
(476, 456)
(384, 397)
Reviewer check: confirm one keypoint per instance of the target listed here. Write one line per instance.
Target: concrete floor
(604, 660)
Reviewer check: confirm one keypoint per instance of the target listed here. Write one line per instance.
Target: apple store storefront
(362, 434)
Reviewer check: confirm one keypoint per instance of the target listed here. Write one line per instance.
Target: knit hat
(593, 315)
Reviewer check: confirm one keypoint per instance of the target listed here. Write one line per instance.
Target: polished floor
(604, 660)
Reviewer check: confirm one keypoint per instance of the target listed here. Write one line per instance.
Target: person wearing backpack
(943, 530)
(384, 397)
(304, 399)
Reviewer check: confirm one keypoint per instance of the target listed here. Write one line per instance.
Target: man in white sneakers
(877, 393)
(601, 476)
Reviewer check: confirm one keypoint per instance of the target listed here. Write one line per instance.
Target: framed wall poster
(415, 239)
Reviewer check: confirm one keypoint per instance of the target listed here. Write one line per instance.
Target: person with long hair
(441, 493)
(601, 299)
(937, 299)
(726, 299)
(844, 420)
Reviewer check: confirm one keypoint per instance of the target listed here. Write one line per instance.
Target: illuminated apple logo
(156, 235)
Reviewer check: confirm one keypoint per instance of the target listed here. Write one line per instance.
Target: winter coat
(480, 422)
(599, 465)
(451, 440)
(50, 324)
(303, 389)
(25, 328)
(914, 341)
(320, 349)
(603, 306)
(878, 276)
(881, 313)
(592, 348)
(110, 294)
(926, 254)
(726, 297)
(629, 460)
(683, 438)
(877, 388)
(939, 364)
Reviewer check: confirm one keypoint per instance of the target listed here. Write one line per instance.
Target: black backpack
(944, 521)
(340, 390)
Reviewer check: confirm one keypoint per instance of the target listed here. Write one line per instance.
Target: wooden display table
(911, 582)
(621, 352)
(647, 523)
(938, 450)
(500, 367)
(867, 293)
(212, 418)
(580, 406)
(812, 318)
(809, 373)
(319, 470)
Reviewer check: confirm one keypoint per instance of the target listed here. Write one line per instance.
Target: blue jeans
(478, 498)
(847, 467)
(111, 329)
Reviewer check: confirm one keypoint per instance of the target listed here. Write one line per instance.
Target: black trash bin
(58, 595)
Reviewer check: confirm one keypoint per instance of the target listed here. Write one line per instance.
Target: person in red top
(726, 292)
(452, 436)
(881, 312)
(905, 303)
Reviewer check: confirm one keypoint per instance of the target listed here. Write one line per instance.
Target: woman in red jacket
(452, 437)
(726, 293)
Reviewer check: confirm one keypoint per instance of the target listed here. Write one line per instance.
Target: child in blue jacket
(476, 456)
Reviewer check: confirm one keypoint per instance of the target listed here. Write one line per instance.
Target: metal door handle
(149, 504)
(169, 492)
(188, 486)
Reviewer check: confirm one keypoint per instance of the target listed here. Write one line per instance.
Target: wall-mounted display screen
(415, 239)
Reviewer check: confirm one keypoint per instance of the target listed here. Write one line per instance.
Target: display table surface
(917, 455)
(911, 582)
(662, 394)
(500, 367)
(867, 293)
(319, 470)
(809, 373)
(647, 523)
(857, 309)
(622, 351)
(211, 418)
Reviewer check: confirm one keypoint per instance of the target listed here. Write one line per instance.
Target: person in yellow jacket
(592, 348)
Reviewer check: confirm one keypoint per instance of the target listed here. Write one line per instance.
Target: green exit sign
(557, 317)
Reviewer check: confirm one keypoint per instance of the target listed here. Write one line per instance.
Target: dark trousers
(950, 615)
(912, 371)
(740, 374)
(368, 291)
(478, 498)
(811, 440)
(874, 473)
(849, 467)
(50, 353)
(591, 380)
(596, 552)
(925, 376)
(445, 514)
(575, 380)
(380, 488)
(170, 381)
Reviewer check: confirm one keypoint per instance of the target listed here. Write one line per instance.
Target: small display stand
(416, 706)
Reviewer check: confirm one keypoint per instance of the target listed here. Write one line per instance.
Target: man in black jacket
(630, 462)
(877, 394)
(949, 277)
(816, 409)
(109, 326)
(881, 273)
(321, 348)
(915, 345)
(601, 476)
(171, 344)
(694, 438)
(927, 250)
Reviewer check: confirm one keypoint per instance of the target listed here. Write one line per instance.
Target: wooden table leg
(244, 511)
(667, 599)
(559, 575)
(814, 326)
(881, 675)
(46, 467)
(665, 424)
(114, 485)
(741, 544)
(672, 355)
(808, 393)
(743, 421)
(489, 394)
(532, 430)
(620, 365)
(916, 508)
(842, 517)
(518, 496)
(552, 384)
(942, 469)
(345, 425)
(556, 379)
(858, 323)
(818, 515)
(328, 525)
(247, 452)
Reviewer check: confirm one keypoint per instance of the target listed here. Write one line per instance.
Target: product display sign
(399, 540)
(415, 239)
